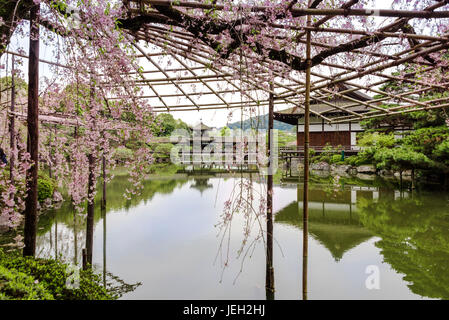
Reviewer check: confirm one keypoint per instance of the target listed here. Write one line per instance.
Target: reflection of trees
(62, 242)
(415, 240)
(61, 234)
(246, 198)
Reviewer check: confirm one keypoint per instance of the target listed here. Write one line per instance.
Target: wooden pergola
(194, 82)
(181, 72)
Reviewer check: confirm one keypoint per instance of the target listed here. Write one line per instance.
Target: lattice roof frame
(174, 41)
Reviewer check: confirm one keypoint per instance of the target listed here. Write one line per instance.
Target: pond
(170, 239)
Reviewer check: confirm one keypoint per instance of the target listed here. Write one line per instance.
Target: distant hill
(263, 124)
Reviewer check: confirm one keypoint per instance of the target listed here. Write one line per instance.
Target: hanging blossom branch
(254, 33)
(98, 55)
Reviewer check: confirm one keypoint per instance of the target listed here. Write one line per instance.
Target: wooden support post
(84, 259)
(103, 200)
(90, 210)
(12, 129)
(33, 135)
(269, 281)
(306, 162)
(91, 186)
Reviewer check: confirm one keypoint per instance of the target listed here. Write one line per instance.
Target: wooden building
(321, 132)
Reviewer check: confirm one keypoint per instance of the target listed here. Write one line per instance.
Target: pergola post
(269, 282)
(103, 168)
(91, 185)
(305, 215)
(90, 211)
(33, 135)
(12, 134)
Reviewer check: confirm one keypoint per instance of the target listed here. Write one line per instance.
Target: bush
(133, 144)
(45, 187)
(123, 154)
(15, 285)
(163, 150)
(52, 275)
(336, 158)
(359, 160)
(327, 155)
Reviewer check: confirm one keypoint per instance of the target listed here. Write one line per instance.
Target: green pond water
(168, 239)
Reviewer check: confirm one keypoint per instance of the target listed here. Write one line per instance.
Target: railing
(319, 149)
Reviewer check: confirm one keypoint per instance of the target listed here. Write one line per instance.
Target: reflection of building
(333, 218)
(201, 184)
(343, 134)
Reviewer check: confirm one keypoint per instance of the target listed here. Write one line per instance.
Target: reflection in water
(269, 280)
(415, 239)
(103, 215)
(333, 221)
(305, 240)
(201, 184)
(165, 238)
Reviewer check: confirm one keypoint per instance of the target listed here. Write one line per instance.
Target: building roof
(201, 126)
(291, 115)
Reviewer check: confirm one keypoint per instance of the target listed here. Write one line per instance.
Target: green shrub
(15, 285)
(53, 274)
(163, 150)
(123, 154)
(336, 158)
(327, 154)
(45, 187)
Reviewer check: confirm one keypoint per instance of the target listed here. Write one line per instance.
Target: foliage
(328, 154)
(336, 159)
(286, 138)
(15, 285)
(414, 239)
(164, 124)
(123, 154)
(163, 150)
(52, 275)
(376, 140)
(45, 187)
(357, 160)
(225, 132)
(400, 159)
(425, 148)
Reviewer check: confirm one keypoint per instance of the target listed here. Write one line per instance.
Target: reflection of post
(75, 258)
(103, 213)
(56, 239)
(306, 164)
(269, 281)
